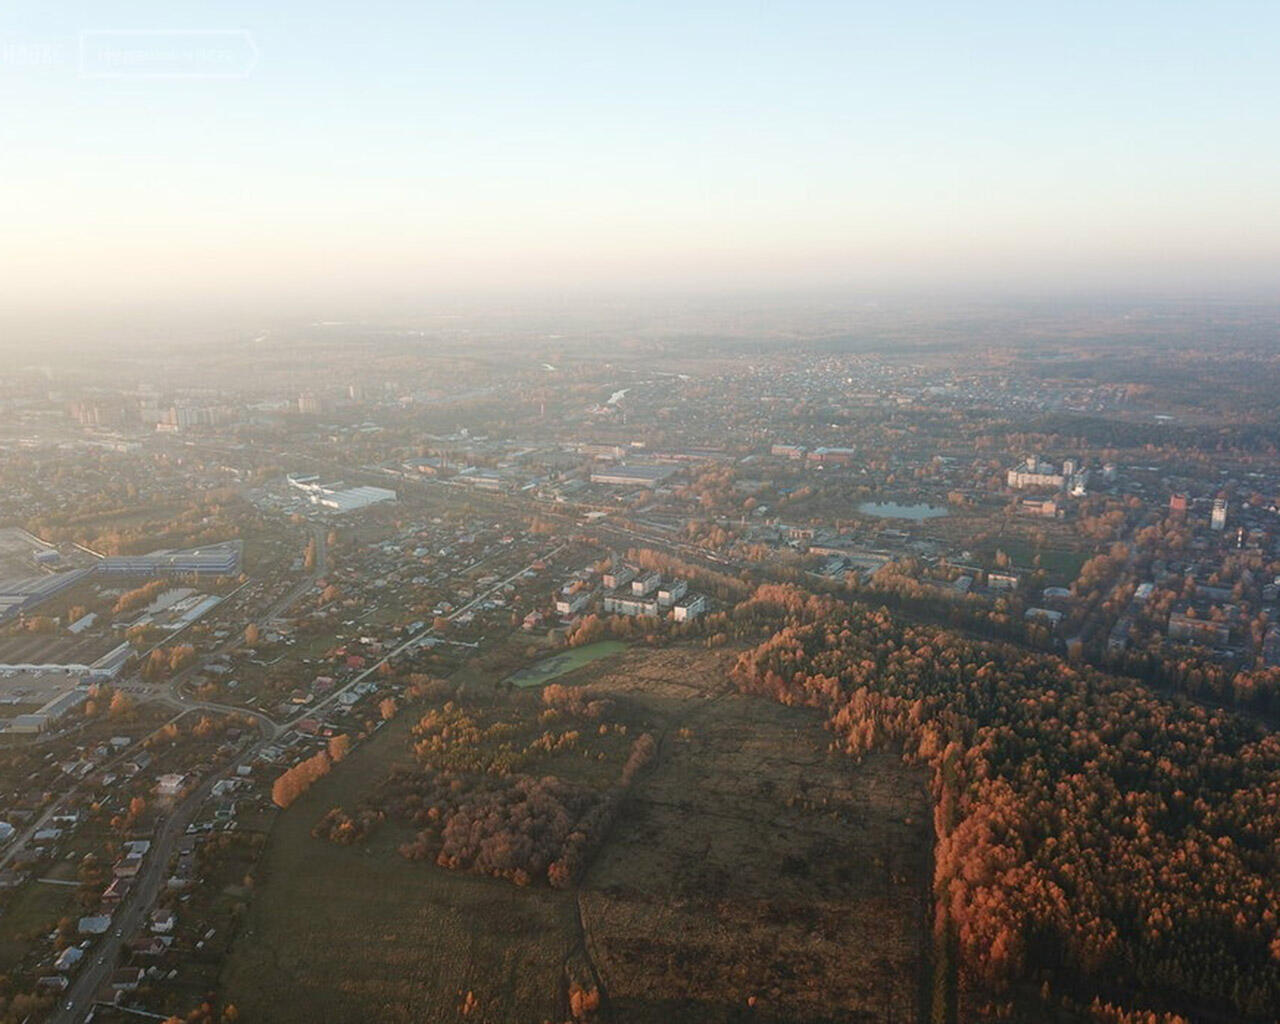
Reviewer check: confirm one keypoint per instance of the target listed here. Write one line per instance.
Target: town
(213, 592)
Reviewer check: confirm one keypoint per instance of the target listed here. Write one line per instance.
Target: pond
(891, 510)
(542, 672)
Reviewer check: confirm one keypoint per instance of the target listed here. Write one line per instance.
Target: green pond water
(892, 510)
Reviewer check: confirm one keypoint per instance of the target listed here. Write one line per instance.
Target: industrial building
(54, 655)
(214, 560)
(632, 476)
(38, 721)
(22, 595)
(337, 497)
(824, 456)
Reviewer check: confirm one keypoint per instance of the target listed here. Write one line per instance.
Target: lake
(891, 510)
(542, 672)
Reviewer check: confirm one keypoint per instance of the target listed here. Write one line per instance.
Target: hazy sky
(155, 150)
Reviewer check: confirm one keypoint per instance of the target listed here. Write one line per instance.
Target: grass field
(34, 909)
(749, 863)
(542, 672)
(356, 933)
(1061, 566)
(756, 866)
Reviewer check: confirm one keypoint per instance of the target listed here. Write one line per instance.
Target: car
(119, 932)
(101, 960)
(70, 1005)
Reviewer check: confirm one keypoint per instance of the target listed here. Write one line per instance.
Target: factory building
(214, 560)
(632, 476)
(337, 497)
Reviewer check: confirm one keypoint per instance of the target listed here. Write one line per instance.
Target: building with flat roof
(626, 604)
(571, 604)
(690, 607)
(646, 584)
(618, 576)
(632, 476)
(212, 560)
(670, 593)
(25, 593)
(1218, 517)
(337, 497)
(824, 456)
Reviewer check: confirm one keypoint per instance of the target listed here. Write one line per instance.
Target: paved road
(131, 915)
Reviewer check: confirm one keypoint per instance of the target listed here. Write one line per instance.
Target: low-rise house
(117, 890)
(68, 959)
(94, 924)
(1002, 580)
(151, 945)
(127, 979)
(127, 866)
(1045, 616)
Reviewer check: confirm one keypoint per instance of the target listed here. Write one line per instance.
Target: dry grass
(754, 864)
(341, 933)
(749, 863)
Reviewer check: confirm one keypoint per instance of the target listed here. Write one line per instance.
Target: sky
(153, 152)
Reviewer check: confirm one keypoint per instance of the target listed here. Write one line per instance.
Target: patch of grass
(748, 863)
(1061, 565)
(544, 671)
(35, 909)
(357, 933)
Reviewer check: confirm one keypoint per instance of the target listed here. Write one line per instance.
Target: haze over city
(295, 155)
(639, 513)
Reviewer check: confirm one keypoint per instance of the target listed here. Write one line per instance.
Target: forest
(1094, 841)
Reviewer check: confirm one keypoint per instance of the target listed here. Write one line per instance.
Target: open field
(17, 553)
(749, 862)
(753, 864)
(1062, 566)
(356, 933)
(35, 909)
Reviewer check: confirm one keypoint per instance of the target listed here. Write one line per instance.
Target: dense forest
(1093, 839)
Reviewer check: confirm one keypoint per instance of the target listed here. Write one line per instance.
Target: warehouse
(632, 476)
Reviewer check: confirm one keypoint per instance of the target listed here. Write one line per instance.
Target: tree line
(1089, 834)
